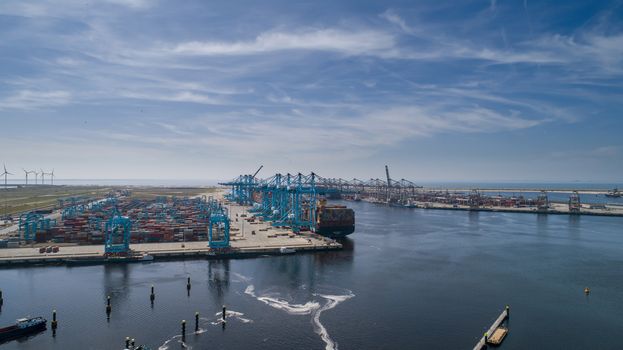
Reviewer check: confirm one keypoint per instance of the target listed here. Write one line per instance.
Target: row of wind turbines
(26, 172)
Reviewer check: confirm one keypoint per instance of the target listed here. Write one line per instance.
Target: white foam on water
(292, 309)
(332, 301)
(165, 345)
(242, 278)
(200, 331)
(311, 307)
(230, 314)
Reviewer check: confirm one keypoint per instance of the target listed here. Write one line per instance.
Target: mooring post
(54, 322)
(508, 311)
(188, 284)
(1, 298)
(152, 296)
(133, 343)
(127, 342)
(183, 327)
(196, 321)
(108, 307)
(224, 313)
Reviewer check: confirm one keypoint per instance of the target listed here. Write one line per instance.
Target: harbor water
(407, 279)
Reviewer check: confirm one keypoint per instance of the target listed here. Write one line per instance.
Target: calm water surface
(408, 279)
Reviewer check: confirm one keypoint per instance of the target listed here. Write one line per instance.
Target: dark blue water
(408, 279)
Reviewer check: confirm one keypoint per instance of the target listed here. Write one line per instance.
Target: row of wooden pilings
(131, 343)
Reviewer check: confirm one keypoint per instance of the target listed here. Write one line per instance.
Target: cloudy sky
(438, 90)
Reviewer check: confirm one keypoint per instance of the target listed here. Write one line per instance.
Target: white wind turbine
(5, 173)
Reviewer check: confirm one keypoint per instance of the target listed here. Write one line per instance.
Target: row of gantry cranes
(118, 227)
(291, 199)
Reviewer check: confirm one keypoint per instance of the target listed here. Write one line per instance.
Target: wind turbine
(42, 176)
(5, 173)
(36, 176)
(26, 172)
(52, 175)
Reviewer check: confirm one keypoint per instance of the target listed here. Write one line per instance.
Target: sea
(406, 279)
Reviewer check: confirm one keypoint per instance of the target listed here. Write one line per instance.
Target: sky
(507, 91)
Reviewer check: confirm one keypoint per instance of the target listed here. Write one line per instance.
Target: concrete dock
(555, 209)
(247, 240)
(482, 343)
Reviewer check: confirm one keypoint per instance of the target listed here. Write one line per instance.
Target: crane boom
(258, 170)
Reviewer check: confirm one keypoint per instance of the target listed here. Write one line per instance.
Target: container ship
(23, 327)
(334, 220)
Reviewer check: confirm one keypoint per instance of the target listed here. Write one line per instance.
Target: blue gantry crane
(30, 223)
(285, 200)
(118, 235)
(218, 228)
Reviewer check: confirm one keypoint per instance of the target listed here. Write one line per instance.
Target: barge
(23, 327)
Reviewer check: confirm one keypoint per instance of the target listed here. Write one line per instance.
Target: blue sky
(438, 90)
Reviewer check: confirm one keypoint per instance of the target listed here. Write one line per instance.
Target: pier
(494, 334)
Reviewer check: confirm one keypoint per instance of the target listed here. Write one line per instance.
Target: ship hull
(12, 333)
(335, 231)
(99, 261)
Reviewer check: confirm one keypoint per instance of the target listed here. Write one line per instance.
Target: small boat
(497, 336)
(615, 193)
(23, 327)
(286, 250)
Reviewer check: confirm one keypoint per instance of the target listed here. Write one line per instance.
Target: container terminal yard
(123, 226)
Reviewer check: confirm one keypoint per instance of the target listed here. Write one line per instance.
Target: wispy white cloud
(392, 17)
(183, 96)
(138, 4)
(589, 51)
(309, 135)
(67, 8)
(173, 128)
(353, 42)
(32, 99)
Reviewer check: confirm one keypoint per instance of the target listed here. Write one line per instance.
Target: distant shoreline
(525, 190)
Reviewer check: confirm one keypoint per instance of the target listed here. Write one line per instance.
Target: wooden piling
(108, 307)
(196, 321)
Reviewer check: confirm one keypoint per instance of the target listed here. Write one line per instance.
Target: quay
(495, 334)
(248, 240)
(554, 209)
